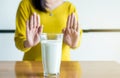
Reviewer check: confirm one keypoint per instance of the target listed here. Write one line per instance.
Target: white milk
(51, 56)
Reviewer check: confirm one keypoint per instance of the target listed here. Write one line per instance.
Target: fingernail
(35, 13)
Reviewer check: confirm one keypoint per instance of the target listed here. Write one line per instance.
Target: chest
(54, 22)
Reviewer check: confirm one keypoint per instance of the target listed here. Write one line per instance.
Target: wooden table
(82, 69)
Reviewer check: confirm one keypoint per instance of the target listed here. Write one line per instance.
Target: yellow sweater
(52, 24)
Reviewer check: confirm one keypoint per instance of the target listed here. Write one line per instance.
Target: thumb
(40, 29)
(63, 30)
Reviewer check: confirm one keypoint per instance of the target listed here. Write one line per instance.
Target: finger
(34, 20)
(38, 20)
(71, 20)
(27, 26)
(74, 23)
(40, 29)
(31, 22)
(68, 21)
(77, 28)
(27, 29)
(67, 31)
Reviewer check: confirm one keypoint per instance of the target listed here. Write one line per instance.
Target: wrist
(73, 46)
(26, 44)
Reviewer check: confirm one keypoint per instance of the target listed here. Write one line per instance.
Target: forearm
(19, 42)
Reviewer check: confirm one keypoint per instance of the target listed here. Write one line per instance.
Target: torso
(52, 24)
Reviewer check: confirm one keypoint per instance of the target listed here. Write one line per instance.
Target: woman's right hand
(33, 31)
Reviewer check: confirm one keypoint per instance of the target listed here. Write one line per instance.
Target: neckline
(51, 11)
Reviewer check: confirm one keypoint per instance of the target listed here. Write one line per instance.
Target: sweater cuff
(23, 48)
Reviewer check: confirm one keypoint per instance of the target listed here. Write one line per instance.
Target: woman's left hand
(71, 32)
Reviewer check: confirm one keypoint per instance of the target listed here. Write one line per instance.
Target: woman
(48, 16)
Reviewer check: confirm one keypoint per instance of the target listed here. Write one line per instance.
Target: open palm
(33, 30)
(71, 32)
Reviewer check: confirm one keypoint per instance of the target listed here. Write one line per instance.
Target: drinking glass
(51, 49)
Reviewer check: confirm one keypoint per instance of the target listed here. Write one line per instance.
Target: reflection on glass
(28, 69)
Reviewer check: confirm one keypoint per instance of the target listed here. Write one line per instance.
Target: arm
(20, 33)
(28, 28)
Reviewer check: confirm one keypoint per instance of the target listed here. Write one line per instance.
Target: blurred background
(99, 19)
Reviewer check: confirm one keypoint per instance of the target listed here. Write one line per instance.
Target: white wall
(8, 10)
(98, 46)
(8, 51)
(92, 14)
(98, 13)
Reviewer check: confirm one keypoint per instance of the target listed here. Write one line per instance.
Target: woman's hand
(33, 31)
(71, 32)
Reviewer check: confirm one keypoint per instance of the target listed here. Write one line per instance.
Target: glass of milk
(51, 46)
